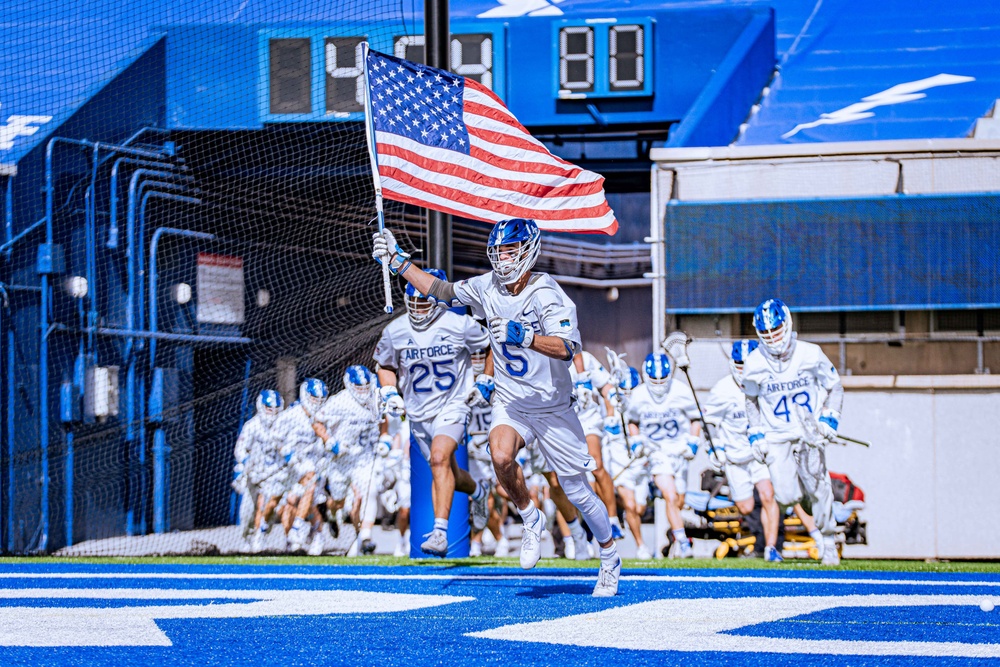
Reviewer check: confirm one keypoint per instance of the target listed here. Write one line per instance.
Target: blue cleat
(616, 532)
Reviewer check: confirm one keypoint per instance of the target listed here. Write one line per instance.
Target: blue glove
(481, 394)
(828, 422)
(612, 426)
(511, 332)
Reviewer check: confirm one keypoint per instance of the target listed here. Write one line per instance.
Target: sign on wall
(220, 289)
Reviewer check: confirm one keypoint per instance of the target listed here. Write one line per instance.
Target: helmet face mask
(513, 248)
(421, 310)
(361, 383)
(773, 322)
(479, 362)
(657, 373)
(312, 395)
(738, 356)
(269, 406)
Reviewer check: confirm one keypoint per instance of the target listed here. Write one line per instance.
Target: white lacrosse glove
(717, 458)
(758, 445)
(584, 389)
(385, 248)
(828, 422)
(692, 447)
(612, 427)
(390, 500)
(481, 394)
(394, 407)
(384, 445)
(637, 446)
(511, 332)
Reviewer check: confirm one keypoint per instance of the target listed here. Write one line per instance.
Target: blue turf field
(73, 614)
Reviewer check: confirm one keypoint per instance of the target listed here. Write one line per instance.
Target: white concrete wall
(931, 477)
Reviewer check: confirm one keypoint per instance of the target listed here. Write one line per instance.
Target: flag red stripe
(565, 189)
(508, 209)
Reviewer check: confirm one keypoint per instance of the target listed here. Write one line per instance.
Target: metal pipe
(10, 434)
(656, 252)
(3, 293)
(154, 276)
(112, 241)
(8, 209)
(8, 245)
(176, 337)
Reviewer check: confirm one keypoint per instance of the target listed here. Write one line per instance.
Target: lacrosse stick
(675, 345)
(813, 435)
(376, 177)
(615, 364)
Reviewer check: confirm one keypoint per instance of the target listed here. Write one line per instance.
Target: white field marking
(696, 625)
(490, 577)
(136, 626)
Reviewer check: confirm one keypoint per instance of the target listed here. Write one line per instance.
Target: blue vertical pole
(160, 450)
(10, 436)
(69, 488)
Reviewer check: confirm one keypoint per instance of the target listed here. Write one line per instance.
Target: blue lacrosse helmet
(773, 322)
(269, 404)
(656, 373)
(630, 381)
(312, 394)
(738, 356)
(361, 382)
(524, 240)
(420, 309)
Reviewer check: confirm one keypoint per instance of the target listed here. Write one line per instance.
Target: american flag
(448, 143)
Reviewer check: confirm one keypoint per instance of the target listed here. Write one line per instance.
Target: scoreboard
(637, 68)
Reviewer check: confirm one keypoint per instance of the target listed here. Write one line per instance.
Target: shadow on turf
(547, 591)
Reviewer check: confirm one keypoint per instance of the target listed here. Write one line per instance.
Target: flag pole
(376, 179)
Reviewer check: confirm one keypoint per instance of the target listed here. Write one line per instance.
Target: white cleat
(569, 550)
(531, 541)
(475, 549)
(402, 549)
(683, 549)
(643, 553)
(257, 542)
(503, 548)
(830, 554)
(316, 546)
(607, 578)
(436, 543)
(581, 547)
(480, 508)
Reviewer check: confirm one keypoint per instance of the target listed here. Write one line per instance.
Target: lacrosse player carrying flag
(448, 143)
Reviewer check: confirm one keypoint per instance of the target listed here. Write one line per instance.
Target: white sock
(529, 515)
(441, 524)
(610, 552)
(298, 523)
(816, 535)
(365, 534)
(680, 535)
(576, 528)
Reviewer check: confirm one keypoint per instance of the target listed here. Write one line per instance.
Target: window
(291, 76)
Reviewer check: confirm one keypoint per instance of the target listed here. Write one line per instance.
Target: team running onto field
(549, 429)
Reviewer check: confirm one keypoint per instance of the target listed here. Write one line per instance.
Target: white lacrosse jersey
(353, 425)
(599, 377)
(433, 365)
(299, 443)
(779, 387)
(261, 450)
(726, 407)
(527, 381)
(665, 423)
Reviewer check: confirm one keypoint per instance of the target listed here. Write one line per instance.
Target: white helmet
(269, 406)
(773, 322)
(312, 395)
(421, 310)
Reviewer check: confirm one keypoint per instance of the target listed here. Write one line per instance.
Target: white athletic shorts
(742, 477)
(592, 422)
(534, 465)
(450, 422)
(274, 486)
(674, 465)
(559, 436)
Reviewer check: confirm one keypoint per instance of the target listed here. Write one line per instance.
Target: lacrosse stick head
(676, 346)
(810, 428)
